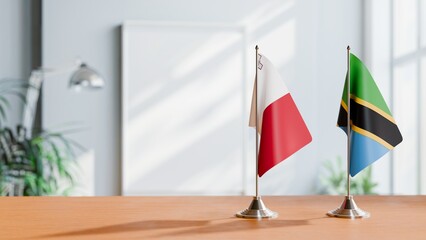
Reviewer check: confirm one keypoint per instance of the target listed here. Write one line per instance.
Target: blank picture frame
(184, 108)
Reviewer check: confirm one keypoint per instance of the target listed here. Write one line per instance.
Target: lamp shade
(86, 77)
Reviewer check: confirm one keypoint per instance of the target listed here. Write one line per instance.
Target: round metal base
(257, 209)
(348, 209)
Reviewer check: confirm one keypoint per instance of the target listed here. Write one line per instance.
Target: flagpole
(257, 208)
(349, 121)
(348, 208)
(257, 126)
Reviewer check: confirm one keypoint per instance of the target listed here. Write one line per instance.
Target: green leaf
(30, 180)
(48, 161)
(2, 113)
(335, 177)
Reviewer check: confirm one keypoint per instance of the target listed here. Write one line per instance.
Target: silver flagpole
(348, 209)
(348, 126)
(257, 124)
(257, 208)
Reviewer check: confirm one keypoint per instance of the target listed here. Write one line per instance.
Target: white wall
(15, 48)
(306, 39)
(394, 51)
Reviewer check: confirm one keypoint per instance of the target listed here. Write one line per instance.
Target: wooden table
(301, 217)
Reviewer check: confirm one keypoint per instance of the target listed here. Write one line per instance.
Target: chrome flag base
(348, 209)
(257, 209)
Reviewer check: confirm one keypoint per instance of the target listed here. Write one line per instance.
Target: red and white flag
(281, 127)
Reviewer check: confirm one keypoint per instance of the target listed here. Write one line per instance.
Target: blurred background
(172, 117)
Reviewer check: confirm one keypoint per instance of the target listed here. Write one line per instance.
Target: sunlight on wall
(282, 40)
(265, 13)
(405, 27)
(186, 105)
(200, 55)
(405, 104)
(395, 53)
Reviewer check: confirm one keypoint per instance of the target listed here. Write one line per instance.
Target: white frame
(124, 83)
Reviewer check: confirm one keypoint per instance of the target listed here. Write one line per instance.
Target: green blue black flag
(373, 129)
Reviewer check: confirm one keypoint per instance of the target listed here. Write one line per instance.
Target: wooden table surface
(300, 217)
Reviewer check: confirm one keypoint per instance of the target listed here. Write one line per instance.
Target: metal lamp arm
(83, 76)
(33, 93)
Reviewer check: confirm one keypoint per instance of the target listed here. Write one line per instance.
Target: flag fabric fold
(373, 129)
(281, 127)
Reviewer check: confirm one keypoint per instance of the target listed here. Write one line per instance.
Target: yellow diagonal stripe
(344, 105)
(372, 136)
(363, 131)
(372, 107)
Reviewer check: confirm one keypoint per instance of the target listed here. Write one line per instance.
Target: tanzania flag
(373, 129)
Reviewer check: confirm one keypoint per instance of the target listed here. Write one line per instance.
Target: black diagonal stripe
(369, 120)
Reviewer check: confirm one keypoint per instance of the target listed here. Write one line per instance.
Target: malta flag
(281, 127)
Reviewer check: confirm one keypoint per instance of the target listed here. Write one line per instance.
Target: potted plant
(334, 180)
(33, 166)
